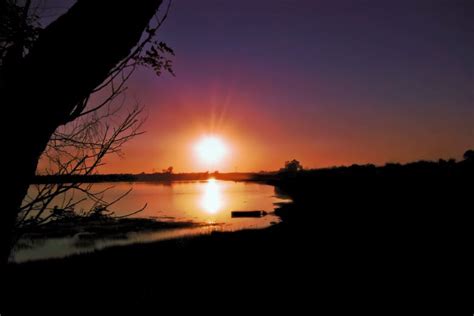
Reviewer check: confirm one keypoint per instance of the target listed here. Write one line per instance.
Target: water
(209, 202)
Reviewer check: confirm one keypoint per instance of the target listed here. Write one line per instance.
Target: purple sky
(326, 82)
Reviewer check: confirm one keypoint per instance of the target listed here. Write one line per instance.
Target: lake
(208, 202)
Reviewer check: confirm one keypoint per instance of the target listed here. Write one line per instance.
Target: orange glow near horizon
(256, 138)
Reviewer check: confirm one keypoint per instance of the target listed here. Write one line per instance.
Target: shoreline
(352, 236)
(146, 177)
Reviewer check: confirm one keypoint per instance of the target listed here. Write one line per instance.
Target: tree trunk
(72, 56)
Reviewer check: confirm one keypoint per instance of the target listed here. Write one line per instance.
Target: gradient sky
(326, 82)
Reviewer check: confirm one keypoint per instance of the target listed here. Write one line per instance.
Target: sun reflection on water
(212, 198)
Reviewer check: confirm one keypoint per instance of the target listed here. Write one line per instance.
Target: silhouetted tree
(47, 78)
(18, 29)
(74, 152)
(469, 155)
(292, 166)
(168, 170)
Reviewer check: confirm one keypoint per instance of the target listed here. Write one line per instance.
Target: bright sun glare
(211, 149)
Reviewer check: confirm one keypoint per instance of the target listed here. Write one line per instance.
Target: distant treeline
(355, 173)
(425, 169)
(422, 184)
(142, 177)
(419, 168)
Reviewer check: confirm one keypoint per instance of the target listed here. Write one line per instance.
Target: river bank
(346, 241)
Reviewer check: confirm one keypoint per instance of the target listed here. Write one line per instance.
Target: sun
(211, 149)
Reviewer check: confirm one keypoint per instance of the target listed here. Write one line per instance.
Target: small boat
(248, 213)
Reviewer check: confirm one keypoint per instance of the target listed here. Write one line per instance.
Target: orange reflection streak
(212, 198)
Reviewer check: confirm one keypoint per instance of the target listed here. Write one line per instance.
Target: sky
(325, 82)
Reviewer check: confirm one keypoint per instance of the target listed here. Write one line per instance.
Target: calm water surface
(209, 202)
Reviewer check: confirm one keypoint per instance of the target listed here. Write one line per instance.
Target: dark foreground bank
(354, 241)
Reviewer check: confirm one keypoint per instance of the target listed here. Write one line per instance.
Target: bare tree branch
(98, 126)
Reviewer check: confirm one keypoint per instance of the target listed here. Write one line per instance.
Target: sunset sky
(325, 82)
